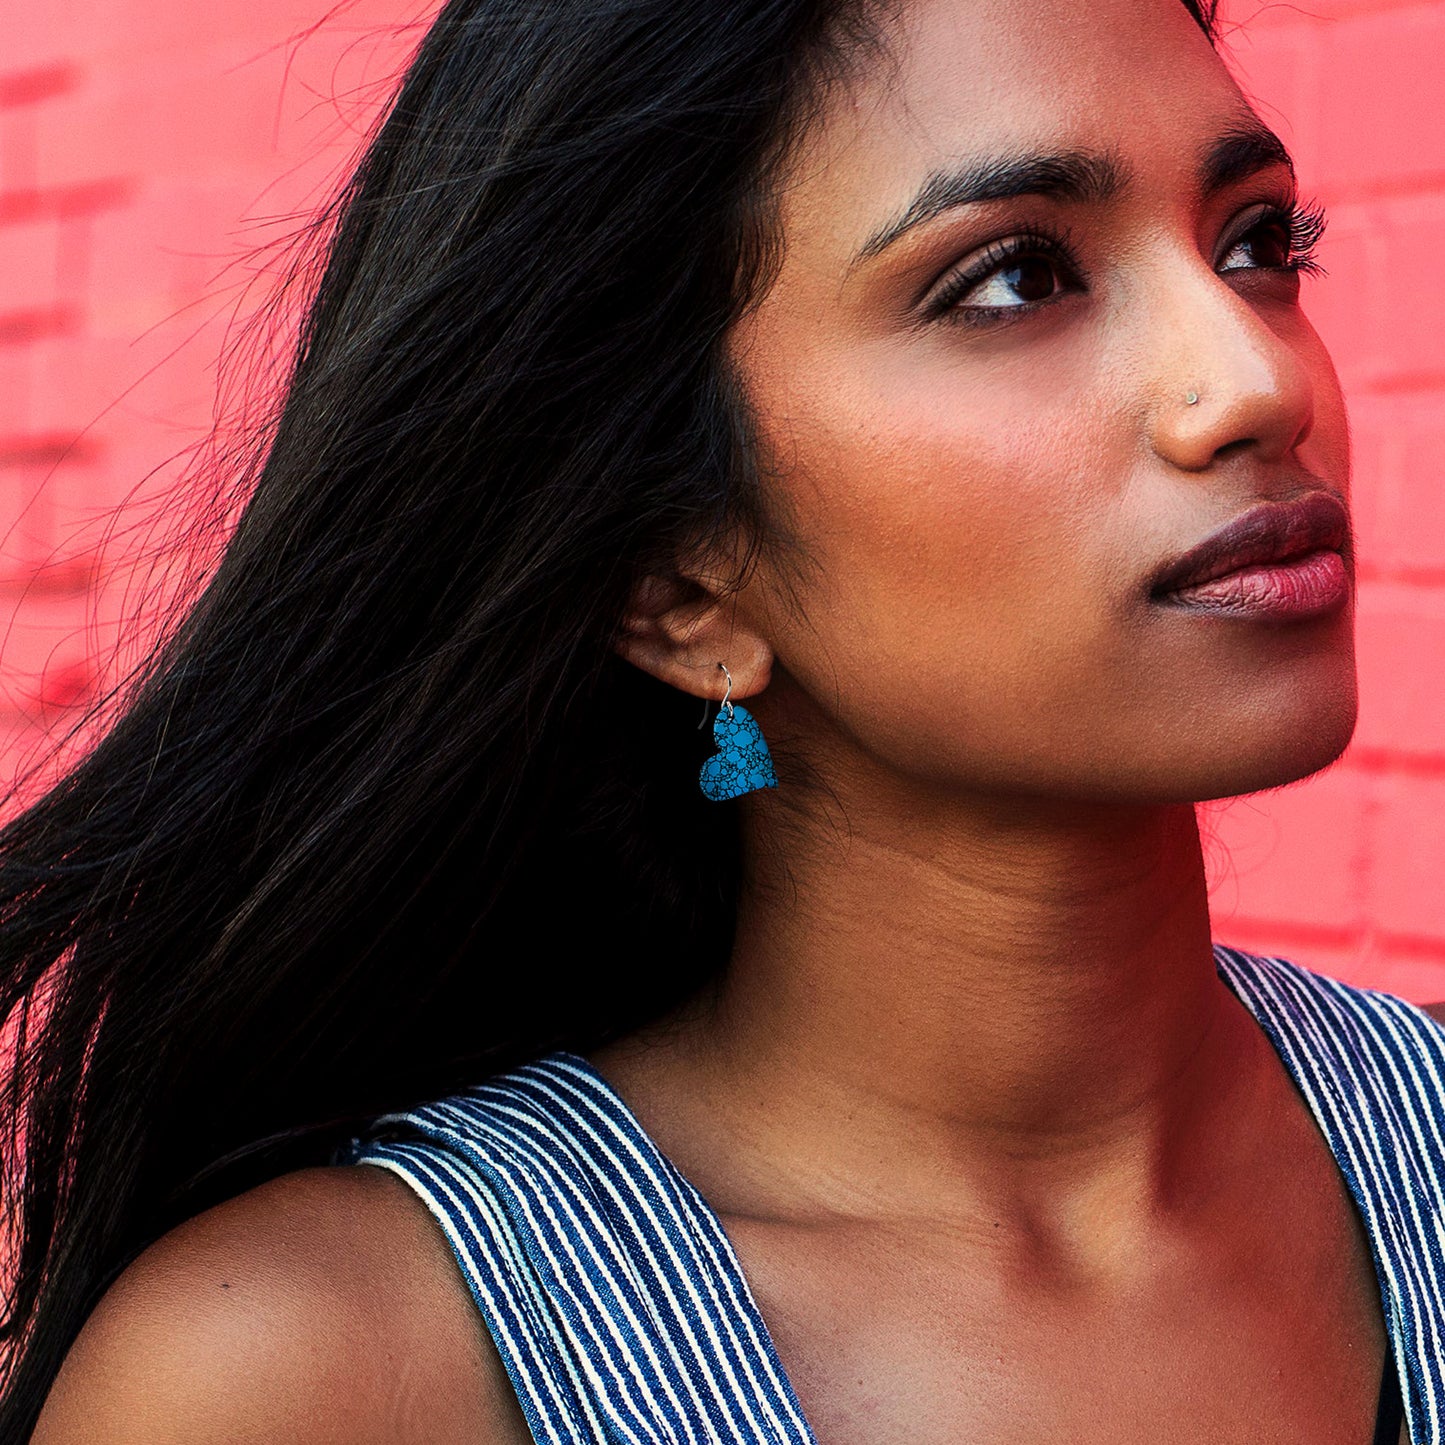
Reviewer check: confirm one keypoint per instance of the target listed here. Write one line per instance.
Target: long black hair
(385, 811)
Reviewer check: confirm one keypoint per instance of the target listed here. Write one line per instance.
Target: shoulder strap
(1372, 1069)
(613, 1296)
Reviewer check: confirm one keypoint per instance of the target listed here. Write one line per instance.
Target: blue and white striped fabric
(620, 1310)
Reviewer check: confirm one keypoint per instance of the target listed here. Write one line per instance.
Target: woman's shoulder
(322, 1305)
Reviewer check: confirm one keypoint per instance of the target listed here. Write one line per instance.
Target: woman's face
(987, 456)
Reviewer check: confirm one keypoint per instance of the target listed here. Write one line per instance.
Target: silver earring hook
(724, 703)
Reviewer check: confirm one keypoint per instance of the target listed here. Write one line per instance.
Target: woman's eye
(1285, 238)
(1021, 280)
(1006, 281)
(1013, 276)
(1266, 246)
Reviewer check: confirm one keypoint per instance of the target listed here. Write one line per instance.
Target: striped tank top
(620, 1310)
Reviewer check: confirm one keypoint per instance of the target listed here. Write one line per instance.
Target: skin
(1000, 1155)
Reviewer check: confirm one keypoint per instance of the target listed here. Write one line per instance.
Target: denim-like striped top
(620, 1310)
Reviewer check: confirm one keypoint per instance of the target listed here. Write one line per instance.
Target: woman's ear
(678, 629)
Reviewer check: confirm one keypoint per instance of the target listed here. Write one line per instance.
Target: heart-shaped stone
(742, 761)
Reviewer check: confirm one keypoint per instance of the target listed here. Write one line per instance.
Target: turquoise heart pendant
(742, 761)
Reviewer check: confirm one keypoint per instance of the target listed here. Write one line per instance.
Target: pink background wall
(147, 147)
(1345, 871)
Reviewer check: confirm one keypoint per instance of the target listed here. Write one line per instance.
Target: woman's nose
(1241, 361)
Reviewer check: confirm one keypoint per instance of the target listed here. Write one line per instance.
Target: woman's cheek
(944, 617)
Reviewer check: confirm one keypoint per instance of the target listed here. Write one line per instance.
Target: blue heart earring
(742, 762)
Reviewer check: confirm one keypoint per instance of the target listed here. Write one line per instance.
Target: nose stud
(1190, 397)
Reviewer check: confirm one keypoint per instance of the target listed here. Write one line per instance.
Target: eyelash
(1303, 222)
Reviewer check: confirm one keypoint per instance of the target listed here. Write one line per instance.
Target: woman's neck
(991, 1010)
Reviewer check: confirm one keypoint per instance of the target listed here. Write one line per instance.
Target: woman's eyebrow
(1089, 177)
(1063, 175)
(1240, 152)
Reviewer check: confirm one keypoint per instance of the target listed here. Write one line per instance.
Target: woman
(423, 1040)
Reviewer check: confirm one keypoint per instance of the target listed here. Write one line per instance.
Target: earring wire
(724, 703)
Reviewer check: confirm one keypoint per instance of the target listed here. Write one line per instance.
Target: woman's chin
(1273, 751)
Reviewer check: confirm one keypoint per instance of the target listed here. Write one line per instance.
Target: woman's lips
(1309, 585)
(1266, 535)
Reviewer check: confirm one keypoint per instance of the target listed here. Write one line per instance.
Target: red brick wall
(1344, 871)
(154, 155)
(144, 145)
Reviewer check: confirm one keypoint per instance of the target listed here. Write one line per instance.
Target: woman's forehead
(1000, 49)
(956, 84)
